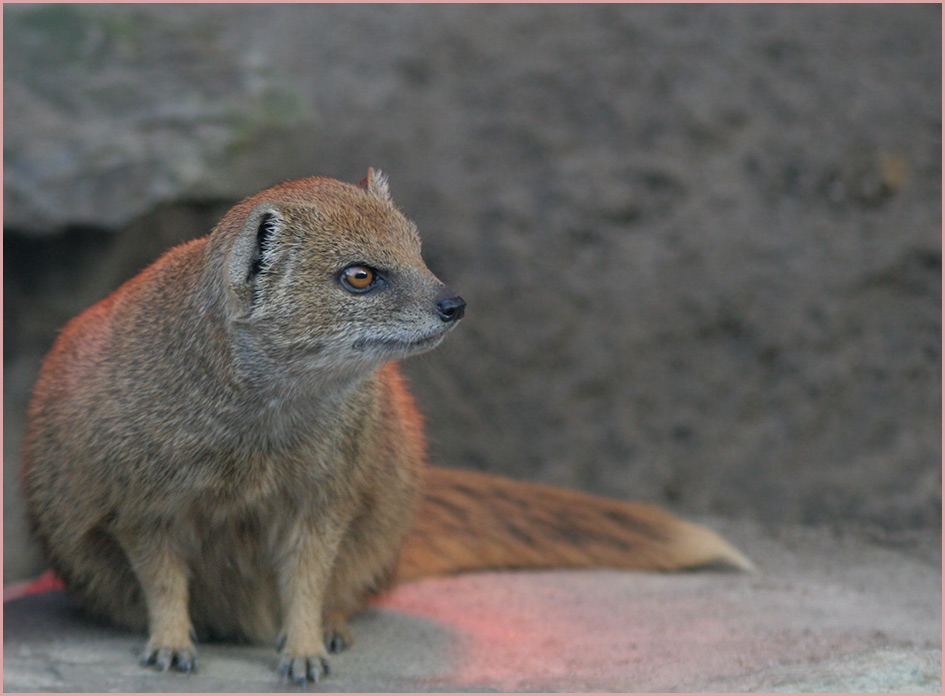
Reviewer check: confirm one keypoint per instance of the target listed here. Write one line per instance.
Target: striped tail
(473, 521)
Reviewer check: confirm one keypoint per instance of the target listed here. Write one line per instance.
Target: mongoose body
(225, 447)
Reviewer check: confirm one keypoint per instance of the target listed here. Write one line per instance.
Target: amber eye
(358, 278)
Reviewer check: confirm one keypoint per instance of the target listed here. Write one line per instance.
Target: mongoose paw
(303, 669)
(336, 642)
(338, 637)
(163, 657)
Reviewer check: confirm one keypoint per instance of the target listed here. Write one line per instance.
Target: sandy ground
(826, 612)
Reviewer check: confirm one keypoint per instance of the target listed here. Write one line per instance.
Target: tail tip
(714, 552)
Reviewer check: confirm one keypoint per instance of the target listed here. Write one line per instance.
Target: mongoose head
(323, 275)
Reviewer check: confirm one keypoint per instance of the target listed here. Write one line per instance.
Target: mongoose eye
(358, 278)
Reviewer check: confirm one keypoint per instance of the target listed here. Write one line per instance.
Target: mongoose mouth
(390, 345)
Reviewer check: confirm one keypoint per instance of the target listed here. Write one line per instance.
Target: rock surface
(700, 244)
(827, 612)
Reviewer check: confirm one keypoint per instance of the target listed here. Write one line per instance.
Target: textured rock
(701, 245)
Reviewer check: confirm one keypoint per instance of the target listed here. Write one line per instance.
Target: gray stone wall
(701, 245)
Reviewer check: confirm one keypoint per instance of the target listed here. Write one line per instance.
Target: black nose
(451, 309)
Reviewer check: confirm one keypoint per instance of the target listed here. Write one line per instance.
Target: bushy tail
(474, 521)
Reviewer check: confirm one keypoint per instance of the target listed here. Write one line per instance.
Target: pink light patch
(518, 633)
(47, 582)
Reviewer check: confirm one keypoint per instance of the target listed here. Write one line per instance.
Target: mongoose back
(225, 448)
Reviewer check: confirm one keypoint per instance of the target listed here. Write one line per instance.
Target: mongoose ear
(254, 248)
(376, 182)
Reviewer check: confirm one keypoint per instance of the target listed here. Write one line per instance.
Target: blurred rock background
(701, 245)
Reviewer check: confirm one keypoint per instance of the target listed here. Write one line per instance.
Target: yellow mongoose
(225, 447)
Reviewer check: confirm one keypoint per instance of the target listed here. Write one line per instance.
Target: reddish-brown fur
(474, 521)
(225, 446)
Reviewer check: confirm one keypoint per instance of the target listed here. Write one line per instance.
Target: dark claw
(338, 639)
(164, 658)
(280, 642)
(302, 670)
(316, 668)
(185, 661)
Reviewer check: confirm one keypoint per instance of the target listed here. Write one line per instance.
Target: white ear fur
(376, 183)
(253, 248)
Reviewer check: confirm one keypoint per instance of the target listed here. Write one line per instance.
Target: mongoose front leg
(304, 573)
(164, 581)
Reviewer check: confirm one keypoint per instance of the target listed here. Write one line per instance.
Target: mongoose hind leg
(364, 568)
(338, 636)
(96, 571)
(345, 597)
